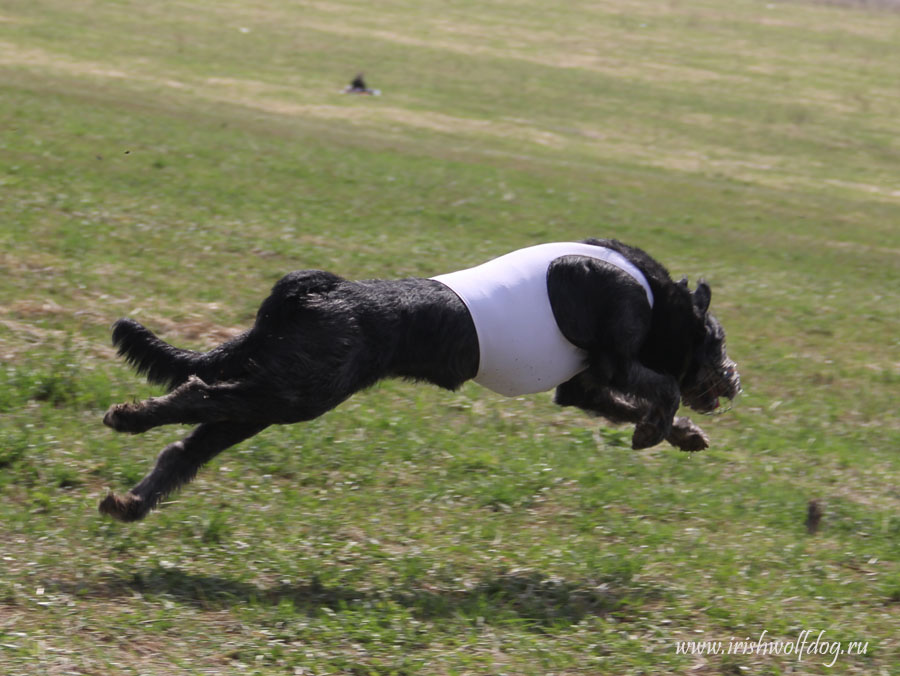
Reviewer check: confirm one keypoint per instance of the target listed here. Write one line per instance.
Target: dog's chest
(521, 347)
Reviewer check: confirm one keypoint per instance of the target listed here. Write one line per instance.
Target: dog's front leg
(662, 395)
(687, 436)
(586, 392)
(175, 466)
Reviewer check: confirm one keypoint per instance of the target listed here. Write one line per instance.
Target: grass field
(170, 160)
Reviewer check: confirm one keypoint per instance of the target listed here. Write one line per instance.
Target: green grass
(170, 161)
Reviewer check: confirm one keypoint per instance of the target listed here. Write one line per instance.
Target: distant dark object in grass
(358, 86)
(814, 514)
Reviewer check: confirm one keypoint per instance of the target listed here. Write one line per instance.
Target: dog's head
(710, 374)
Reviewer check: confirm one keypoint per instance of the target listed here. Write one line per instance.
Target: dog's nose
(736, 384)
(734, 378)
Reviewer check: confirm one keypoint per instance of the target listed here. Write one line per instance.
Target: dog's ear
(702, 295)
(683, 282)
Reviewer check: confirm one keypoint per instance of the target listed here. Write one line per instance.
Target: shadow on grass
(530, 598)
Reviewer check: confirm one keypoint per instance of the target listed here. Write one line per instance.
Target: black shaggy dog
(319, 338)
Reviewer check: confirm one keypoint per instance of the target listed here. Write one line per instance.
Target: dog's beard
(712, 385)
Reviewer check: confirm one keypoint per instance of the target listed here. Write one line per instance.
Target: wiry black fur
(319, 338)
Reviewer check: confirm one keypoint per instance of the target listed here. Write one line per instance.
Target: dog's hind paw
(124, 508)
(120, 418)
(687, 436)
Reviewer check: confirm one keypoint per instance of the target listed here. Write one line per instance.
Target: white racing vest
(521, 348)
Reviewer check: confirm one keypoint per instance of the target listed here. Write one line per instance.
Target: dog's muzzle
(729, 387)
(719, 383)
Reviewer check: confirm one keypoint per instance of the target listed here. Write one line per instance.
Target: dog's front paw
(646, 434)
(687, 436)
(128, 507)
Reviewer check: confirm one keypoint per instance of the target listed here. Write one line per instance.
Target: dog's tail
(166, 365)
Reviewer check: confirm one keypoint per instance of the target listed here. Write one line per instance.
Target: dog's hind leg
(195, 402)
(175, 466)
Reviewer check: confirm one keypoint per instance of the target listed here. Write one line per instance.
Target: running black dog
(600, 321)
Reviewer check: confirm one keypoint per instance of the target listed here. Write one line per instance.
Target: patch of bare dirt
(194, 329)
(893, 5)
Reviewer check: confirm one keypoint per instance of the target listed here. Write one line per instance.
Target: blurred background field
(170, 161)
